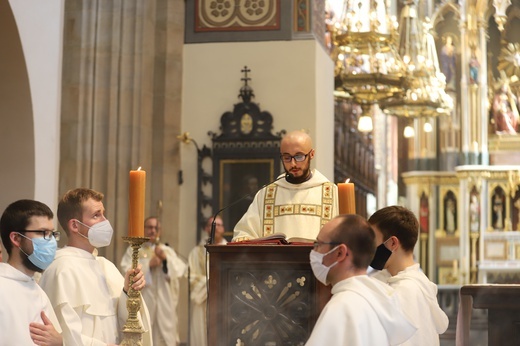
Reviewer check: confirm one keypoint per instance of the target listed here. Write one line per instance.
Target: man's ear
(343, 252)
(15, 238)
(73, 225)
(394, 243)
(311, 155)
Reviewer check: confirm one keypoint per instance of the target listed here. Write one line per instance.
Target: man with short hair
(26, 314)
(396, 231)
(162, 269)
(298, 205)
(87, 291)
(362, 311)
(198, 263)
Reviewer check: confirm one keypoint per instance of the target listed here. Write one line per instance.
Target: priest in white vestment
(26, 314)
(87, 291)
(297, 206)
(199, 264)
(362, 311)
(396, 230)
(162, 269)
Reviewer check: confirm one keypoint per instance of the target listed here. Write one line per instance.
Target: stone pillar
(464, 99)
(121, 103)
(484, 116)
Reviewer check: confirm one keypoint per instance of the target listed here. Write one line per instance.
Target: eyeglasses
(297, 157)
(46, 234)
(318, 243)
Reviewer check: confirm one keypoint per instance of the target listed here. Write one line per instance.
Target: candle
(347, 198)
(136, 203)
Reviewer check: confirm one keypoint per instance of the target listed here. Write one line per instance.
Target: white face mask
(319, 269)
(99, 234)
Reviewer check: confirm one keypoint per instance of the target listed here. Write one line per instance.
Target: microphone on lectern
(214, 222)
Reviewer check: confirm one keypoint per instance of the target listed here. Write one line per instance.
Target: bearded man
(298, 205)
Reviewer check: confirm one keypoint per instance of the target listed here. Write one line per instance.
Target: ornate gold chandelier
(367, 62)
(424, 84)
(405, 81)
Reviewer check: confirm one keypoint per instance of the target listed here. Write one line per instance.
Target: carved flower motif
(255, 7)
(220, 7)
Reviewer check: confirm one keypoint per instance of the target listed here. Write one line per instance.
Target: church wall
(291, 79)
(30, 101)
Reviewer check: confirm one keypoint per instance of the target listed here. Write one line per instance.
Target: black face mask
(381, 256)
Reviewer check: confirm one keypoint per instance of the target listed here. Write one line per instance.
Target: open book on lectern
(275, 239)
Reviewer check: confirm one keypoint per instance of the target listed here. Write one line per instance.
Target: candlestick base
(132, 330)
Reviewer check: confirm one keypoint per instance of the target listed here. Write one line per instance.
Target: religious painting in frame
(447, 251)
(495, 250)
(240, 180)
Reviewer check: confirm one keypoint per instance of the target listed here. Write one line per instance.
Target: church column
(381, 128)
(483, 77)
(463, 221)
(464, 100)
(120, 101)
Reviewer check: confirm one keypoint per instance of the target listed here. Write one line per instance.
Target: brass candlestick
(132, 330)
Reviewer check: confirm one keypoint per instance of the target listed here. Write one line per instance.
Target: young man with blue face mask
(26, 314)
(87, 291)
(397, 230)
(362, 311)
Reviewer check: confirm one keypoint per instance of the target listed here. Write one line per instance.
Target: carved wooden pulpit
(262, 295)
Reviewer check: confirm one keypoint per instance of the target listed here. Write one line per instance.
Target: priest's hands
(45, 334)
(159, 257)
(138, 282)
(155, 262)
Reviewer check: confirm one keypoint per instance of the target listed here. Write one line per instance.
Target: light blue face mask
(43, 251)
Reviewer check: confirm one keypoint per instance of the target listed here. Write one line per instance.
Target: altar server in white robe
(198, 263)
(26, 314)
(397, 231)
(162, 269)
(362, 311)
(298, 205)
(87, 291)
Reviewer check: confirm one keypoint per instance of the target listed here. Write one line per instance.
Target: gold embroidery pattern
(326, 202)
(324, 211)
(270, 195)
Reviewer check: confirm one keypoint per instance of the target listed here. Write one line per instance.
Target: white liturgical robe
(296, 210)
(419, 302)
(86, 292)
(362, 311)
(21, 303)
(199, 293)
(161, 293)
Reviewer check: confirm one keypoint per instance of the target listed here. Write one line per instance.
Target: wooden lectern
(262, 295)
(503, 304)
